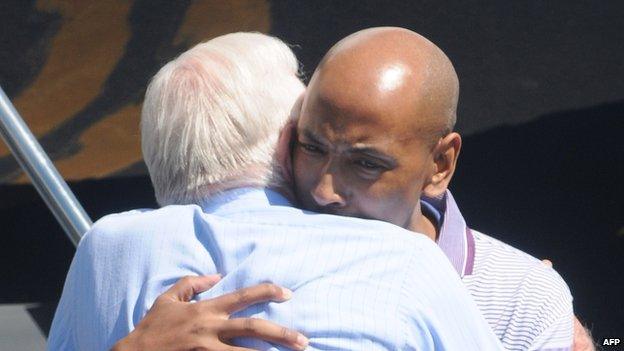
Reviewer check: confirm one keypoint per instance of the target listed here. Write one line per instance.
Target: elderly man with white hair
(210, 122)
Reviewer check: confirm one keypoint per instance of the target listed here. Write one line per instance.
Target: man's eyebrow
(372, 151)
(312, 136)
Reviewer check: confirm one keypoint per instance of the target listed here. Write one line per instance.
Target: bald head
(393, 70)
(374, 132)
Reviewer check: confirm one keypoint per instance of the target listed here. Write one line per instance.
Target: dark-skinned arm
(176, 323)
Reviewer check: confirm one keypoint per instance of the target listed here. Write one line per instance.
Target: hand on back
(176, 323)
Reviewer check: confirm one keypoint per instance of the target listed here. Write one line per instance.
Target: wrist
(124, 344)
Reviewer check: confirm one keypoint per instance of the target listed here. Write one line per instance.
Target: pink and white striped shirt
(527, 304)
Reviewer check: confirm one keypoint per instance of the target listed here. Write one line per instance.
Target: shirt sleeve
(91, 307)
(121, 265)
(557, 317)
(558, 337)
(61, 336)
(65, 325)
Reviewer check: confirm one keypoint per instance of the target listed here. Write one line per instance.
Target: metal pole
(44, 176)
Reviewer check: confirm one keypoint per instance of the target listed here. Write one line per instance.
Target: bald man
(375, 140)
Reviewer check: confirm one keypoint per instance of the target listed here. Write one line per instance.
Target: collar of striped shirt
(455, 238)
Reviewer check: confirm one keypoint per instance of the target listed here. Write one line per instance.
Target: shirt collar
(248, 197)
(455, 238)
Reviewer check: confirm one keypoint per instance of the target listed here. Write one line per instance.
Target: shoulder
(511, 266)
(319, 228)
(521, 297)
(123, 221)
(135, 236)
(349, 227)
(501, 267)
(136, 224)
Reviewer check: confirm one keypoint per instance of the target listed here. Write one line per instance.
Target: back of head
(212, 116)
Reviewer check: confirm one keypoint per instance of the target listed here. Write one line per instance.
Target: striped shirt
(526, 303)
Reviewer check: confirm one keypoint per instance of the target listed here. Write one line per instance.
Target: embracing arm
(176, 323)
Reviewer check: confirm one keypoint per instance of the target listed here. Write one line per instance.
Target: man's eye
(368, 165)
(311, 148)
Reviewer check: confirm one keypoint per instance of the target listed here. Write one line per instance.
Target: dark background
(541, 112)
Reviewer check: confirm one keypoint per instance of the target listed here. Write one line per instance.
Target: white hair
(211, 117)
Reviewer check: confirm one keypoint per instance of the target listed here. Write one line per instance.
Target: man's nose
(325, 193)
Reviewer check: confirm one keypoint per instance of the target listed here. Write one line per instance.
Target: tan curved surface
(84, 52)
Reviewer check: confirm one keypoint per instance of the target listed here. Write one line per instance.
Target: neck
(421, 224)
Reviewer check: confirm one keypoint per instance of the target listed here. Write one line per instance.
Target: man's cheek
(388, 203)
(297, 167)
(303, 183)
(370, 203)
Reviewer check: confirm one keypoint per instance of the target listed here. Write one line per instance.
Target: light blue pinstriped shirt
(357, 284)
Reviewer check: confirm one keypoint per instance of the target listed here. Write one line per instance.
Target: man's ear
(295, 111)
(284, 147)
(445, 155)
(287, 137)
(283, 152)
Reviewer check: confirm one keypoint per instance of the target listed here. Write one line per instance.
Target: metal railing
(41, 171)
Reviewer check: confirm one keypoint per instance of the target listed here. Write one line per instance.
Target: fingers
(243, 298)
(547, 263)
(226, 347)
(265, 330)
(190, 286)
